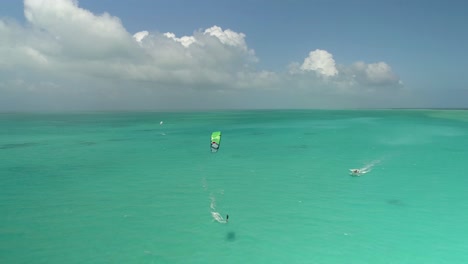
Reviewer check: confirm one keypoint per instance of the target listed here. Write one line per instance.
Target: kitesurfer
(214, 145)
(227, 218)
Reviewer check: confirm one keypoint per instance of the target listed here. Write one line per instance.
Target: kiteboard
(357, 172)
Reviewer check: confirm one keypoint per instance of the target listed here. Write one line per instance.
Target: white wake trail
(366, 169)
(216, 215)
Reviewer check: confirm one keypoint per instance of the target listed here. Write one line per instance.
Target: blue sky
(279, 31)
(370, 53)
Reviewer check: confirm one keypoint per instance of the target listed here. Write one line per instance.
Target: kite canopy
(215, 141)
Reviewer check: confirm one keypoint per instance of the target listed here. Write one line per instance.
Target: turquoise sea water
(121, 188)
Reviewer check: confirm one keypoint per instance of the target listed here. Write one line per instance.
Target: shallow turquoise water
(121, 188)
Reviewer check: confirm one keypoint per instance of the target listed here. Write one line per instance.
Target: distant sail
(215, 141)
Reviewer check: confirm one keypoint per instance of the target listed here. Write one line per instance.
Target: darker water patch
(396, 202)
(152, 257)
(87, 143)
(147, 130)
(310, 133)
(17, 145)
(256, 133)
(23, 170)
(300, 146)
(231, 236)
(118, 139)
(455, 149)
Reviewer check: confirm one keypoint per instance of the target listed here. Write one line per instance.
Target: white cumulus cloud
(320, 61)
(185, 40)
(139, 36)
(79, 32)
(67, 56)
(380, 73)
(228, 37)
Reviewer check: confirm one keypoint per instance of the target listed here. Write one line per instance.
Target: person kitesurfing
(359, 172)
(214, 146)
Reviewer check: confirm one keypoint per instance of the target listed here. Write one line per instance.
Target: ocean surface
(123, 188)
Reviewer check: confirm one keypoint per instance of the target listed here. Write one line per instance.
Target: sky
(68, 55)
